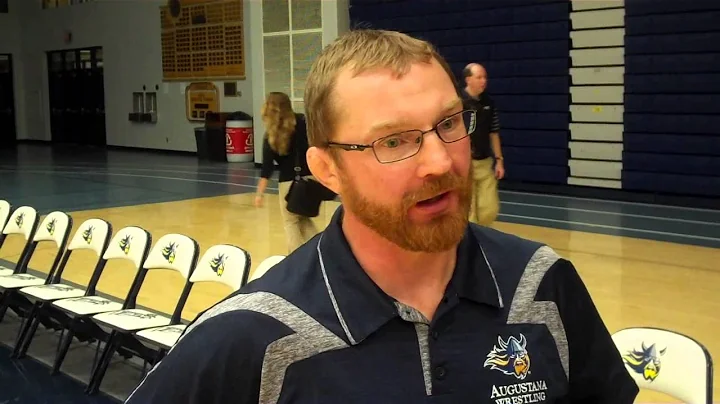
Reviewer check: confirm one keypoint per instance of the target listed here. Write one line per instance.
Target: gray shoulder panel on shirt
(310, 338)
(525, 309)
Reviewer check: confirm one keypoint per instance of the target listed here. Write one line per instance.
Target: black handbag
(306, 195)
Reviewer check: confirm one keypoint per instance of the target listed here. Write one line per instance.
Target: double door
(8, 135)
(77, 96)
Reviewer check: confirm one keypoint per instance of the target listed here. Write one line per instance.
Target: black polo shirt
(516, 325)
(487, 122)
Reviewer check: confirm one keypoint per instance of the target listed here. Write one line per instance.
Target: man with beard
(399, 300)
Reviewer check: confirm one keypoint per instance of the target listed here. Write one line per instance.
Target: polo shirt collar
(362, 307)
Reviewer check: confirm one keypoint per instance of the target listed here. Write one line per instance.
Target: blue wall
(672, 96)
(644, 110)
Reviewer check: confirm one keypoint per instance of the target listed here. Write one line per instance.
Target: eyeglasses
(403, 145)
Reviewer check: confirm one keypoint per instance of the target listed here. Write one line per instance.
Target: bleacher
(644, 76)
(672, 97)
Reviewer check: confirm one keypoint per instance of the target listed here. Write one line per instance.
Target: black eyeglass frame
(363, 147)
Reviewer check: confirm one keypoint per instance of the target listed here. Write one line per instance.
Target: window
(292, 39)
(4, 6)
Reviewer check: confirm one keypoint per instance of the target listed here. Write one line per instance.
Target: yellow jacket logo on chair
(169, 252)
(645, 361)
(125, 244)
(217, 264)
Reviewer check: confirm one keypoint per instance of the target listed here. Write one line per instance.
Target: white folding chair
(667, 362)
(94, 235)
(226, 264)
(5, 210)
(265, 266)
(56, 228)
(176, 252)
(130, 243)
(23, 221)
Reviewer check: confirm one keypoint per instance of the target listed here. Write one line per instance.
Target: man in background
(486, 150)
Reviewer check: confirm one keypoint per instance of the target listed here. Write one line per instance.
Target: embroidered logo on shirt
(510, 357)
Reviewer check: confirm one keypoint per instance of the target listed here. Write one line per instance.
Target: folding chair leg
(22, 347)
(99, 373)
(4, 304)
(60, 357)
(28, 323)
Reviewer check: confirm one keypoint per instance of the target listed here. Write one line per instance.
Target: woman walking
(285, 143)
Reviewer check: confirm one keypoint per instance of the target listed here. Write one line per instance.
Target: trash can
(210, 139)
(239, 141)
(201, 143)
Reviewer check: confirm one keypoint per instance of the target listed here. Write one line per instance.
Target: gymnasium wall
(598, 94)
(129, 32)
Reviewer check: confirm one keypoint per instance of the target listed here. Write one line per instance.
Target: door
(8, 135)
(77, 96)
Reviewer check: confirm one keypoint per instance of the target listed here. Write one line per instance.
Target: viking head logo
(645, 361)
(510, 357)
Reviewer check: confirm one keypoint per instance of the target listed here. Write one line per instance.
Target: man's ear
(323, 168)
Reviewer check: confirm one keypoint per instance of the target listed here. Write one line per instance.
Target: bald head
(475, 78)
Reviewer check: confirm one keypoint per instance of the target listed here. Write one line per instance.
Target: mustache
(436, 186)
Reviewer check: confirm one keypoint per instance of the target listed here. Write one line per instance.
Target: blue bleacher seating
(524, 45)
(672, 97)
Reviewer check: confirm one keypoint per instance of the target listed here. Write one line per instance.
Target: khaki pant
(485, 204)
(298, 229)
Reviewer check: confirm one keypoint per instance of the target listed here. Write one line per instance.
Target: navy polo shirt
(516, 325)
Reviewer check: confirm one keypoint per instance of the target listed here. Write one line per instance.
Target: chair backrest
(225, 264)
(24, 221)
(667, 362)
(130, 243)
(5, 209)
(94, 235)
(264, 266)
(55, 227)
(176, 252)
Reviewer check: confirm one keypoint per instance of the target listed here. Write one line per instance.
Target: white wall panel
(609, 170)
(594, 182)
(596, 151)
(597, 113)
(598, 57)
(594, 38)
(606, 132)
(597, 94)
(598, 75)
(598, 19)
(578, 5)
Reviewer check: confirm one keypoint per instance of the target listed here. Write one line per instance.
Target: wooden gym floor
(645, 265)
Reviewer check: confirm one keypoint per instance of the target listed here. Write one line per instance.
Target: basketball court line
(256, 177)
(223, 166)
